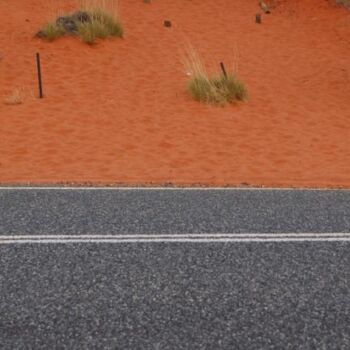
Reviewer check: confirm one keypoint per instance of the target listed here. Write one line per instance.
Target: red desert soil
(118, 112)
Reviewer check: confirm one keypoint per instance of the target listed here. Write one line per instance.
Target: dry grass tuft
(101, 25)
(219, 89)
(345, 3)
(51, 31)
(109, 6)
(97, 19)
(15, 98)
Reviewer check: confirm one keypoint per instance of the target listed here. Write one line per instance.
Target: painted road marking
(178, 238)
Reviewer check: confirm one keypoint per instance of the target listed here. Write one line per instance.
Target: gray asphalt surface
(147, 211)
(174, 295)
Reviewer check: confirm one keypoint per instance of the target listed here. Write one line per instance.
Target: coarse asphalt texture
(174, 295)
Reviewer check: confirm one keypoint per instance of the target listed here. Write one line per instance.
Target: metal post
(223, 69)
(39, 75)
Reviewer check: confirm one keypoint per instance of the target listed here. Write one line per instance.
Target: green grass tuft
(51, 31)
(87, 32)
(102, 25)
(110, 23)
(96, 24)
(217, 90)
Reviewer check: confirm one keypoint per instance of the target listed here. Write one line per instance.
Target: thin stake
(39, 75)
(223, 69)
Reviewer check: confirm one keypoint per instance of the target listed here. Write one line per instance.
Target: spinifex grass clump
(101, 25)
(89, 24)
(220, 90)
(217, 90)
(51, 31)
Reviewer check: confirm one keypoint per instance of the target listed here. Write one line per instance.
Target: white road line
(104, 188)
(178, 238)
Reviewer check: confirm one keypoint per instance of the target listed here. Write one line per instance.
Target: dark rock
(167, 24)
(40, 34)
(81, 16)
(67, 23)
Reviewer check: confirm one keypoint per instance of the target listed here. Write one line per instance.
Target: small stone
(40, 34)
(67, 23)
(167, 23)
(258, 18)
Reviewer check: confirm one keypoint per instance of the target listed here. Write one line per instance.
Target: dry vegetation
(98, 19)
(94, 20)
(15, 98)
(345, 3)
(218, 89)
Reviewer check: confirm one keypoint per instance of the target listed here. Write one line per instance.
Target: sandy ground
(118, 112)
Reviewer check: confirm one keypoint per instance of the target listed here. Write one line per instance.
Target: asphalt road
(174, 295)
(172, 211)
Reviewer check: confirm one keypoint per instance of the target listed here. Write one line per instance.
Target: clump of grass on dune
(345, 3)
(51, 31)
(95, 20)
(100, 26)
(219, 89)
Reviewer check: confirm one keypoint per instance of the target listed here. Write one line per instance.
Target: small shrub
(200, 88)
(102, 25)
(111, 24)
(217, 90)
(87, 32)
(88, 24)
(51, 31)
(230, 88)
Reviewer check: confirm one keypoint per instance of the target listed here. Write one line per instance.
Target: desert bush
(51, 31)
(101, 25)
(217, 89)
(89, 24)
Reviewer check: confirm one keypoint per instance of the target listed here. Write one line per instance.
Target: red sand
(118, 112)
